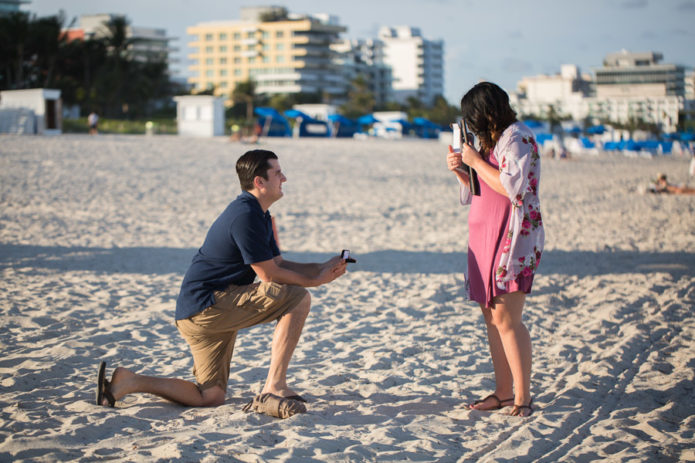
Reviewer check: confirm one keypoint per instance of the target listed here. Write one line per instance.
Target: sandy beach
(97, 232)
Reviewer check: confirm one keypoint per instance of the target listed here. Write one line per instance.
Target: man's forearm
(308, 270)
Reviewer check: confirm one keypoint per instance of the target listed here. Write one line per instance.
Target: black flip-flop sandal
(516, 411)
(491, 396)
(104, 387)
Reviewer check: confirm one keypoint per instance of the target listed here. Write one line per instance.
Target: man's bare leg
(124, 382)
(285, 339)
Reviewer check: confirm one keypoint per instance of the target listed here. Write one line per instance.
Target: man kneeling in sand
(219, 297)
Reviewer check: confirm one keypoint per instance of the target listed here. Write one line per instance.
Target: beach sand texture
(96, 233)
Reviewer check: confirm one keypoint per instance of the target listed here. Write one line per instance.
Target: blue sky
(497, 40)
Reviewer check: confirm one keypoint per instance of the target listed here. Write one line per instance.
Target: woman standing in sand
(505, 237)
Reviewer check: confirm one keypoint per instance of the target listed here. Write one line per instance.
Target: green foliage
(119, 126)
(97, 74)
(360, 99)
(275, 14)
(245, 93)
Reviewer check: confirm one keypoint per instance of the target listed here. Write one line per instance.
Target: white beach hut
(31, 111)
(199, 115)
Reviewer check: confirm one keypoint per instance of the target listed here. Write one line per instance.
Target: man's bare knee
(212, 397)
(304, 305)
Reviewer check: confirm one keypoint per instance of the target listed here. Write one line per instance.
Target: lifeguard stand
(31, 111)
(199, 115)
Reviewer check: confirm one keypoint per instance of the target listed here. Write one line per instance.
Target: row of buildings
(286, 53)
(629, 87)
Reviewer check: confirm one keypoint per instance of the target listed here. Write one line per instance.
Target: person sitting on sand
(218, 297)
(661, 185)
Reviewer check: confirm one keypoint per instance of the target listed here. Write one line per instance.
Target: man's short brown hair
(253, 164)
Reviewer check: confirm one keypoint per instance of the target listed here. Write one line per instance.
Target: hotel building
(629, 86)
(417, 63)
(366, 58)
(638, 86)
(8, 7)
(146, 44)
(282, 53)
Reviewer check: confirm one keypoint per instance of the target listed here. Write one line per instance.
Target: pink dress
(505, 237)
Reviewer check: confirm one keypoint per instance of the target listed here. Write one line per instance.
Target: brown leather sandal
(499, 405)
(516, 411)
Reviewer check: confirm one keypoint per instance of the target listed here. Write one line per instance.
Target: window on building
(222, 36)
(266, 59)
(279, 59)
(223, 60)
(223, 72)
(280, 46)
(208, 37)
(223, 84)
(266, 34)
(252, 59)
(279, 34)
(237, 72)
(237, 60)
(209, 61)
(251, 47)
(250, 35)
(208, 49)
(237, 47)
(223, 49)
(237, 36)
(209, 73)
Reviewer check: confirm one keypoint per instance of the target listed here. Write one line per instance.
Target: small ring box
(345, 254)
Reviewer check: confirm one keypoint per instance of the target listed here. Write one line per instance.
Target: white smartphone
(456, 137)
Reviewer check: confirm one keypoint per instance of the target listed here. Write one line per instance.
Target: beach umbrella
(596, 130)
(533, 124)
(367, 119)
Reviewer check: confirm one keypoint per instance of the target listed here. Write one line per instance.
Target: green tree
(442, 112)
(14, 34)
(245, 93)
(360, 100)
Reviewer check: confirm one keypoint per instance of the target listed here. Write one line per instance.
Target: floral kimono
(519, 167)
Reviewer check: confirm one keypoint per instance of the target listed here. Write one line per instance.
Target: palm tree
(14, 33)
(245, 92)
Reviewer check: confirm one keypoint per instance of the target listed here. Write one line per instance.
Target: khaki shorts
(211, 333)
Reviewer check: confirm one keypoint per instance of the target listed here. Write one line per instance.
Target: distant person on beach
(505, 236)
(661, 185)
(93, 122)
(218, 297)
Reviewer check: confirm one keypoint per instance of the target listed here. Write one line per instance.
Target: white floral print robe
(520, 173)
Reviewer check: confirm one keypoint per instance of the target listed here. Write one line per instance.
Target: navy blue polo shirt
(242, 235)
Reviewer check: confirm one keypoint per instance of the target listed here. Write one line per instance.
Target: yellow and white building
(282, 53)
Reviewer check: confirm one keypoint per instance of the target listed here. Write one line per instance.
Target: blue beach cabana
(367, 119)
(308, 126)
(424, 128)
(341, 126)
(272, 122)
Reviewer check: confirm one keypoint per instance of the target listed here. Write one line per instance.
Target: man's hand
(332, 269)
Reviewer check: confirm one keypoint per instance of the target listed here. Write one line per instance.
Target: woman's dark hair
(253, 164)
(486, 110)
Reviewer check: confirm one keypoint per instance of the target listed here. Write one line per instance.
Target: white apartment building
(11, 6)
(417, 63)
(281, 52)
(146, 44)
(366, 58)
(564, 92)
(629, 86)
